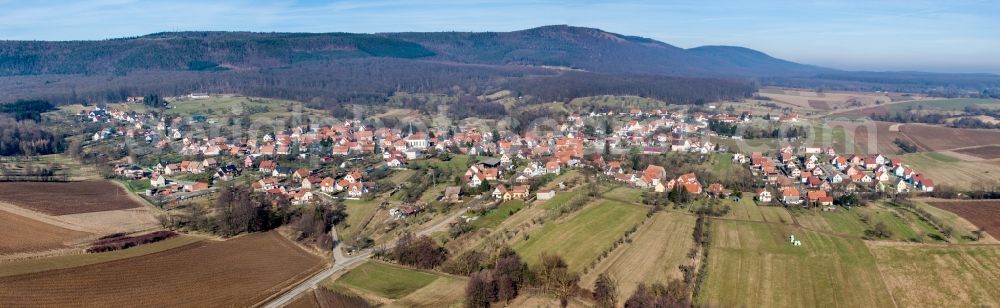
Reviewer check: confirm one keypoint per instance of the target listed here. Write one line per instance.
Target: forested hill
(575, 47)
(368, 68)
(599, 51)
(197, 51)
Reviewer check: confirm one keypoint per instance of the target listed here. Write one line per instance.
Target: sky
(937, 36)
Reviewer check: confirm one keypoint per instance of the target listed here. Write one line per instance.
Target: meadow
(654, 254)
(950, 171)
(753, 264)
(397, 286)
(941, 276)
(584, 235)
(495, 216)
(385, 280)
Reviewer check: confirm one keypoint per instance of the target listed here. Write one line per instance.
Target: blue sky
(943, 36)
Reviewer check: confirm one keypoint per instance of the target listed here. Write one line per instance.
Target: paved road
(342, 262)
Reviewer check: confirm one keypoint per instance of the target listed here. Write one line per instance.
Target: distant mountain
(174, 51)
(338, 64)
(564, 46)
(596, 50)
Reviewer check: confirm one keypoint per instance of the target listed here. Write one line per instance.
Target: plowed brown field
(22, 234)
(63, 198)
(984, 214)
(238, 272)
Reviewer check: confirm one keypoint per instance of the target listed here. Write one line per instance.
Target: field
(748, 210)
(944, 105)
(654, 254)
(962, 228)
(385, 280)
(62, 165)
(22, 234)
(874, 136)
(904, 225)
(358, 213)
(945, 138)
(582, 237)
(950, 171)
(811, 101)
(35, 265)
(752, 264)
(401, 287)
(984, 152)
(941, 276)
(323, 298)
(624, 194)
(985, 214)
(256, 108)
(239, 272)
(62, 198)
(854, 137)
(494, 217)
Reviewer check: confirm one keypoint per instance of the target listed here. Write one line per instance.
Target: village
(296, 163)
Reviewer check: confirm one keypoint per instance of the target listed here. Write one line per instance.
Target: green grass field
(848, 221)
(748, 210)
(385, 280)
(444, 292)
(722, 165)
(751, 264)
(941, 276)
(559, 200)
(494, 217)
(581, 238)
(358, 211)
(624, 193)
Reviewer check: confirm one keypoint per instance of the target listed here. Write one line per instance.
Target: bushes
(119, 241)
(500, 284)
(905, 146)
(421, 251)
(879, 230)
(605, 291)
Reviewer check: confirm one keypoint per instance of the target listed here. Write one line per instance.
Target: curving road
(342, 262)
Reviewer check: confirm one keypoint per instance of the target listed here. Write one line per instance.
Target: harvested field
(811, 100)
(106, 222)
(752, 264)
(857, 137)
(940, 276)
(950, 171)
(985, 214)
(63, 198)
(984, 152)
(871, 136)
(21, 234)
(239, 272)
(654, 254)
